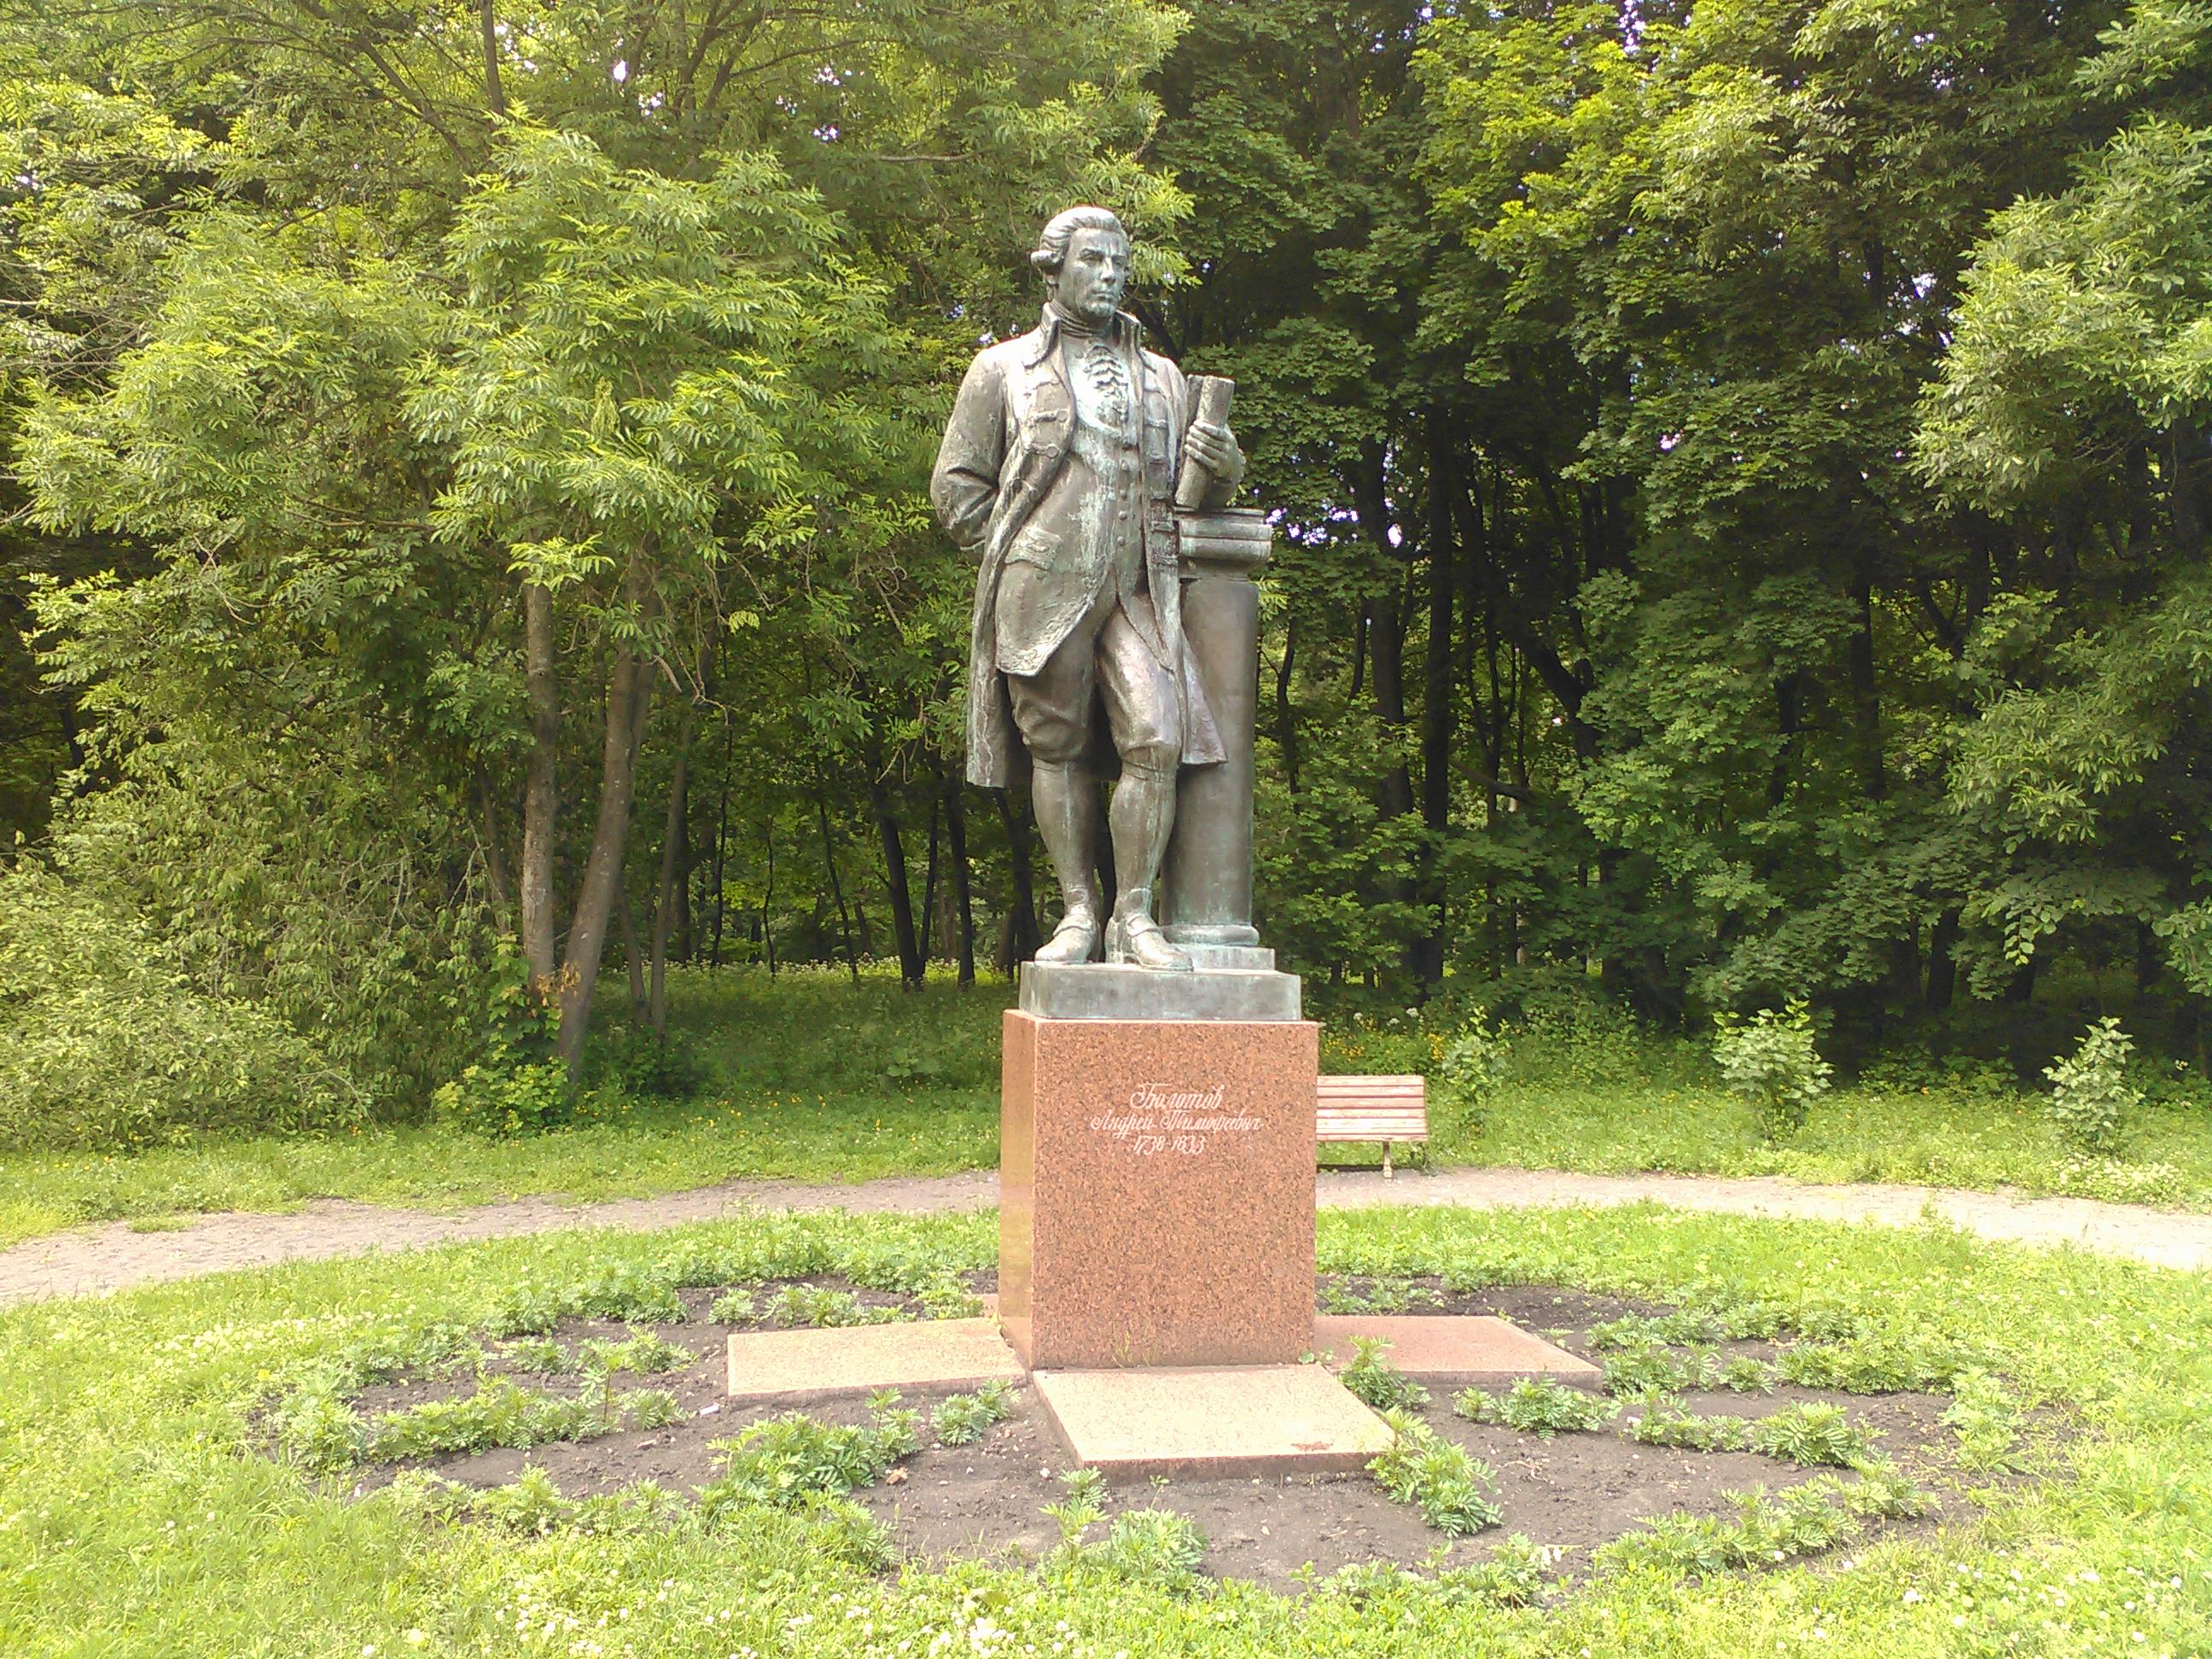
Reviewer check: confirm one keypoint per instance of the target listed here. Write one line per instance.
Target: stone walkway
(92, 1261)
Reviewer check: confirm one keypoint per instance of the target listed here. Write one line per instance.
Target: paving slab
(1226, 1421)
(1474, 1350)
(779, 1366)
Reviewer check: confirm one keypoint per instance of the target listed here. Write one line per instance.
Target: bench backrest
(1373, 1108)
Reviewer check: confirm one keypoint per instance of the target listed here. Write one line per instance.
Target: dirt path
(91, 1260)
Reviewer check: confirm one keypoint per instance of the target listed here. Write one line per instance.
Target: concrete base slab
(1230, 1421)
(1115, 990)
(780, 1367)
(1476, 1350)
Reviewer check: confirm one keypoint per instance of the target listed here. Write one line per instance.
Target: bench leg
(1386, 1160)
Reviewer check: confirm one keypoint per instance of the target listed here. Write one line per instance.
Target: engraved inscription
(1157, 1120)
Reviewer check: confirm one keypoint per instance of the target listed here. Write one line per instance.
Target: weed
(947, 1296)
(531, 1504)
(1451, 1487)
(808, 1305)
(845, 1532)
(1078, 1510)
(2091, 1097)
(1874, 1365)
(784, 1460)
(646, 1353)
(1813, 1433)
(539, 1355)
(1642, 1332)
(1542, 1406)
(735, 1307)
(1647, 1369)
(1153, 1546)
(1512, 1577)
(1377, 1383)
(1986, 1419)
(1770, 1061)
(1802, 1520)
(961, 1419)
(504, 1413)
(314, 1428)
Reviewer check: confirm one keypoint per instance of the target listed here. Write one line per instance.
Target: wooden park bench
(1385, 1109)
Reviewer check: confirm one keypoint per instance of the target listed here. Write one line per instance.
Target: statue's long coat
(1004, 445)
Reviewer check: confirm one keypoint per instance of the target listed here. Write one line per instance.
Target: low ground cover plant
(140, 1514)
(961, 1419)
(1452, 1488)
(1376, 1380)
(1536, 1405)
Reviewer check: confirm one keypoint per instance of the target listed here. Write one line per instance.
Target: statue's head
(1084, 256)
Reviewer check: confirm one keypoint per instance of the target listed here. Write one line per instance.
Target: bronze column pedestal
(1209, 863)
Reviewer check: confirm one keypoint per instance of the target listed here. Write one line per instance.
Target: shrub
(663, 1068)
(2090, 1094)
(1472, 1066)
(505, 1097)
(1375, 1382)
(105, 1042)
(1771, 1060)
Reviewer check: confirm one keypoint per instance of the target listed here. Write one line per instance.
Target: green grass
(139, 1516)
(811, 1077)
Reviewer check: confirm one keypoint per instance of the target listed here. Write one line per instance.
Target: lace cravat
(1109, 380)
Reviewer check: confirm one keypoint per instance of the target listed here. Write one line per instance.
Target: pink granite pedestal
(1156, 1191)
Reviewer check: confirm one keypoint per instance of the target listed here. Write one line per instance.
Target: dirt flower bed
(599, 1406)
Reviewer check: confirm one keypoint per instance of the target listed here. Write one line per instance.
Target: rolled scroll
(1210, 395)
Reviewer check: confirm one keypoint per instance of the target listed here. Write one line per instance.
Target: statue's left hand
(1213, 448)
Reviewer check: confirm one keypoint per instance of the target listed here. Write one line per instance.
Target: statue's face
(1091, 278)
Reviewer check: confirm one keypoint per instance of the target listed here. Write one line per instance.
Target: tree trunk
(540, 798)
(633, 956)
(1022, 935)
(911, 961)
(1942, 969)
(672, 861)
(1866, 694)
(502, 894)
(836, 886)
(956, 832)
(933, 935)
(1438, 725)
(629, 693)
(768, 899)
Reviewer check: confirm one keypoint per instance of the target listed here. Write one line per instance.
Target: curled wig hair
(1051, 250)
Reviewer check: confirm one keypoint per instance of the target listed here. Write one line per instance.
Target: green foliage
(810, 1304)
(503, 1413)
(2091, 1098)
(1766, 1531)
(787, 1460)
(658, 1068)
(1453, 1489)
(1986, 1416)
(1158, 1548)
(1542, 1406)
(1076, 1511)
(186, 1364)
(506, 1098)
(1377, 1383)
(107, 1042)
(1770, 1060)
(961, 1419)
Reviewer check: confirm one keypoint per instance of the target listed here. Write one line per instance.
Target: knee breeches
(1103, 656)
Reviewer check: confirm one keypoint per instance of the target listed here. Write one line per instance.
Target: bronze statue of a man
(1058, 473)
